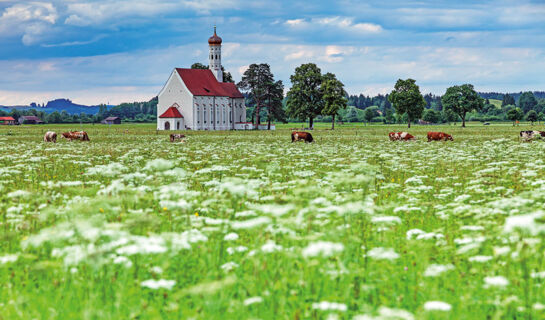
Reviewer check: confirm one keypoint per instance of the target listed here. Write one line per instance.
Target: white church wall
(175, 91)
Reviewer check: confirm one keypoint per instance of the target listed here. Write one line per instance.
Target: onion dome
(214, 40)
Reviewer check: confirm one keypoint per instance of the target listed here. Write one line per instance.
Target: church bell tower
(214, 57)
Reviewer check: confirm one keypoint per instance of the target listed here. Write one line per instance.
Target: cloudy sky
(100, 51)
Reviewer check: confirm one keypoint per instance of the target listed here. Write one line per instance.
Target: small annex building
(6, 121)
(198, 99)
(30, 120)
(112, 120)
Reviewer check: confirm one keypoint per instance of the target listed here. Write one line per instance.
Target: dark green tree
(370, 113)
(462, 99)
(256, 82)
(515, 114)
(450, 116)
(431, 116)
(334, 97)
(507, 100)
(527, 102)
(304, 99)
(389, 116)
(274, 97)
(54, 117)
(407, 99)
(531, 116)
(540, 117)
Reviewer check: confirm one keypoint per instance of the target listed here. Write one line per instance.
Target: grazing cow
(439, 136)
(76, 135)
(301, 136)
(396, 136)
(50, 136)
(530, 135)
(174, 137)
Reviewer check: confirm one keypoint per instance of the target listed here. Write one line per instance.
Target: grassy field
(247, 225)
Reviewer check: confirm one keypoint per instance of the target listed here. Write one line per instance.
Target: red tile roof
(171, 112)
(231, 89)
(201, 82)
(6, 119)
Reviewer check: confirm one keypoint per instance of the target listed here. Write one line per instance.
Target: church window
(204, 116)
(216, 57)
(198, 116)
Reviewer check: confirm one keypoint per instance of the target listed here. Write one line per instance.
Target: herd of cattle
(51, 136)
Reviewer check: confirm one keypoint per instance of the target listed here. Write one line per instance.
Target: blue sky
(98, 51)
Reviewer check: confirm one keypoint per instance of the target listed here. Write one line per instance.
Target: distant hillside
(499, 96)
(57, 105)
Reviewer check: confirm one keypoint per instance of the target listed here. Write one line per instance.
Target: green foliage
(258, 83)
(532, 116)
(462, 99)
(527, 102)
(370, 113)
(407, 99)
(304, 99)
(507, 100)
(334, 96)
(431, 116)
(515, 114)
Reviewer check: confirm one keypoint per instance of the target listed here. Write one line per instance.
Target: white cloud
(31, 20)
(337, 22)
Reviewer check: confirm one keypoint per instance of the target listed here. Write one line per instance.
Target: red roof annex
(7, 119)
(201, 82)
(171, 112)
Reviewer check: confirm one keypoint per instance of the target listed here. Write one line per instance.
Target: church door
(167, 125)
(178, 125)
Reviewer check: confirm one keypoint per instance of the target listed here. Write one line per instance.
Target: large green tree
(507, 100)
(527, 102)
(227, 77)
(305, 98)
(334, 97)
(256, 82)
(407, 99)
(515, 114)
(462, 99)
(370, 113)
(274, 96)
(532, 116)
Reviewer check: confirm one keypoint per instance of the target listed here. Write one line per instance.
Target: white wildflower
(158, 284)
(383, 253)
(435, 270)
(231, 237)
(329, 306)
(8, 258)
(271, 246)
(437, 306)
(229, 266)
(251, 223)
(252, 300)
(322, 248)
(158, 165)
(497, 281)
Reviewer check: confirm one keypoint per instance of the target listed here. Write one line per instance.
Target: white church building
(198, 99)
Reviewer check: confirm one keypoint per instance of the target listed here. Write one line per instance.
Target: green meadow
(247, 225)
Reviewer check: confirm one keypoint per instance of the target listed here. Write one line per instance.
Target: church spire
(214, 44)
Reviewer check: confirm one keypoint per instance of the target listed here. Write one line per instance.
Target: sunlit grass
(240, 225)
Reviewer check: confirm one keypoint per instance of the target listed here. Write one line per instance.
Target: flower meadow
(247, 225)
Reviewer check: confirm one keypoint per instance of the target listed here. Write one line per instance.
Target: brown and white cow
(50, 136)
(76, 135)
(439, 136)
(174, 137)
(530, 135)
(301, 136)
(396, 136)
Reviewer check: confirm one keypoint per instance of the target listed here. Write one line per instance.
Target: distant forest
(360, 108)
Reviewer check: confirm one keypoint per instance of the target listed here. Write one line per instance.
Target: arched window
(204, 116)
(216, 57)
(230, 118)
(198, 116)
